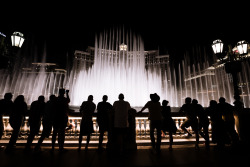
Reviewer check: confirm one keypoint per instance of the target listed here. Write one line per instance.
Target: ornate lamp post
(232, 59)
(17, 39)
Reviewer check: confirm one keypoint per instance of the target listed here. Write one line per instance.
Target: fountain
(40, 78)
(208, 80)
(119, 67)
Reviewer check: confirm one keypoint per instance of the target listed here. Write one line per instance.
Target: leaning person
(17, 116)
(191, 120)
(47, 121)
(168, 124)
(35, 118)
(155, 117)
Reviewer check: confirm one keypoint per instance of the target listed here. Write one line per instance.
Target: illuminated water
(31, 83)
(118, 71)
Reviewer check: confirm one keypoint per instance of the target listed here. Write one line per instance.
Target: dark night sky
(171, 28)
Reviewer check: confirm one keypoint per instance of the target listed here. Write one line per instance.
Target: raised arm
(143, 108)
(181, 110)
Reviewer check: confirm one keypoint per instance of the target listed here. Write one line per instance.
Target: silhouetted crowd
(115, 119)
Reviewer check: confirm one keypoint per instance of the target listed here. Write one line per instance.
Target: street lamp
(242, 47)
(232, 59)
(17, 39)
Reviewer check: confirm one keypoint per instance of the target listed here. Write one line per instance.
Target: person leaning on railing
(16, 120)
(155, 117)
(191, 120)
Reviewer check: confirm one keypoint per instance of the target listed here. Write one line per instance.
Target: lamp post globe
(217, 46)
(242, 47)
(17, 39)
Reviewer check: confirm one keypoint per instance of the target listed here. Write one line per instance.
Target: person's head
(164, 102)
(52, 97)
(222, 100)
(157, 97)
(8, 96)
(212, 103)
(105, 98)
(151, 97)
(188, 100)
(90, 98)
(121, 96)
(41, 98)
(61, 92)
(194, 101)
(19, 98)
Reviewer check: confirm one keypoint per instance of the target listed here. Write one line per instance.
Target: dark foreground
(182, 155)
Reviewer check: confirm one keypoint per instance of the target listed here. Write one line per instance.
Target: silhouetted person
(219, 135)
(155, 117)
(203, 121)
(168, 122)
(228, 117)
(16, 120)
(121, 124)
(35, 117)
(61, 118)
(191, 120)
(6, 106)
(103, 110)
(238, 104)
(238, 107)
(47, 120)
(87, 110)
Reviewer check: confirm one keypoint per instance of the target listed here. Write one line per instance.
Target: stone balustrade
(141, 127)
(138, 130)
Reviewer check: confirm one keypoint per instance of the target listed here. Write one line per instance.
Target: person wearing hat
(155, 117)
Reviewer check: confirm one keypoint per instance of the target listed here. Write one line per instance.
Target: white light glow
(17, 39)
(123, 47)
(115, 72)
(217, 46)
(242, 47)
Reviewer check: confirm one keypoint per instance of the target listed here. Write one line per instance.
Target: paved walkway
(182, 155)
